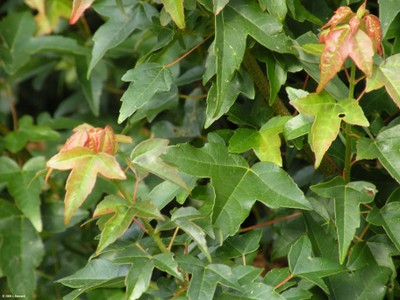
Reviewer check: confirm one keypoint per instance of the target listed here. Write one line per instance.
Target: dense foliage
(199, 149)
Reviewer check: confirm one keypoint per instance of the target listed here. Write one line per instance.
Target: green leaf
(385, 147)
(204, 282)
(146, 158)
(389, 76)
(146, 80)
(16, 30)
(266, 142)
(328, 116)
(240, 83)
(302, 263)
(117, 224)
(16, 140)
(96, 273)
(253, 291)
(166, 263)
(277, 75)
(92, 88)
(185, 222)
(300, 13)
(232, 26)
(388, 10)
(348, 198)
(175, 9)
(236, 193)
(138, 279)
(366, 283)
(115, 30)
(276, 8)
(388, 217)
(240, 245)
(24, 186)
(21, 250)
(85, 165)
(219, 5)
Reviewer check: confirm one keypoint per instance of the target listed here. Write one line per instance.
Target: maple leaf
(88, 152)
(348, 34)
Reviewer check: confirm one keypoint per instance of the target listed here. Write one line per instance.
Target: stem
(270, 222)
(284, 281)
(149, 229)
(348, 152)
(12, 107)
(173, 239)
(186, 54)
(156, 238)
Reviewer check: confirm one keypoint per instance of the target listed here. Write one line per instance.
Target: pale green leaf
(146, 80)
(146, 158)
(85, 165)
(388, 10)
(388, 217)
(348, 198)
(385, 147)
(175, 9)
(266, 142)
(96, 273)
(117, 224)
(236, 194)
(389, 75)
(21, 250)
(328, 115)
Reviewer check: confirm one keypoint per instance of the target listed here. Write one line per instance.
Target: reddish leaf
(342, 15)
(335, 52)
(374, 31)
(78, 7)
(362, 52)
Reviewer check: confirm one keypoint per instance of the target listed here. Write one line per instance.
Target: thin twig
(12, 107)
(186, 54)
(173, 239)
(284, 281)
(270, 222)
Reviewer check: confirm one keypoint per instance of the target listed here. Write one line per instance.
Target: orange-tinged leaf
(374, 31)
(80, 183)
(85, 165)
(78, 7)
(335, 52)
(342, 15)
(362, 52)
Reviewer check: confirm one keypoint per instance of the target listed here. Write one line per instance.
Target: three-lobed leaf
(236, 193)
(348, 198)
(85, 165)
(328, 115)
(266, 142)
